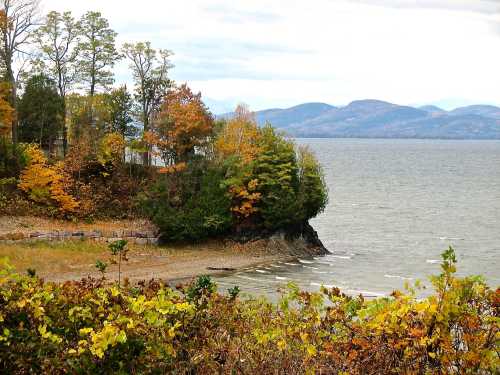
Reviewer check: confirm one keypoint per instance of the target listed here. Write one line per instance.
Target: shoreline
(60, 259)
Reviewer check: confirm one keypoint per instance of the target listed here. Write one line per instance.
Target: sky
(279, 53)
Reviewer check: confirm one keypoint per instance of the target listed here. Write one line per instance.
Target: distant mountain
(480, 110)
(379, 119)
(432, 109)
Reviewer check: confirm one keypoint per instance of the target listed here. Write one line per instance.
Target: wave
(312, 268)
(261, 271)
(281, 278)
(306, 261)
(340, 256)
(398, 277)
(433, 261)
(291, 264)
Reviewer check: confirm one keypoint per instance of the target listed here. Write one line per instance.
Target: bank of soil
(74, 257)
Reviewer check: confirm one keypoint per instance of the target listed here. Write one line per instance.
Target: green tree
(277, 174)
(313, 192)
(98, 53)
(190, 205)
(121, 106)
(57, 40)
(41, 112)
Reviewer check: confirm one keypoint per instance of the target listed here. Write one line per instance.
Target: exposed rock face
(299, 240)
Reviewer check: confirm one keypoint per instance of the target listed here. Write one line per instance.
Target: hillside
(379, 119)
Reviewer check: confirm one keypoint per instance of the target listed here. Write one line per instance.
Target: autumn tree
(239, 136)
(150, 72)
(98, 52)
(182, 124)
(238, 144)
(41, 112)
(45, 183)
(6, 111)
(17, 22)
(57, 41)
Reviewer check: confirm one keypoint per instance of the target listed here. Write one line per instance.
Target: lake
(395, 205)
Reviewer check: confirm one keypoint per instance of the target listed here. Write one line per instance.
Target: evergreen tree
(41, 112)
(120, 106)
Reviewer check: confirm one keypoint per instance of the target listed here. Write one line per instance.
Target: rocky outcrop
(298, 240)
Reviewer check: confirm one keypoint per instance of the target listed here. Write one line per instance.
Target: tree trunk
(12, 99)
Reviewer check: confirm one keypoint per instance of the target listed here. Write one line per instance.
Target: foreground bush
(87, 327)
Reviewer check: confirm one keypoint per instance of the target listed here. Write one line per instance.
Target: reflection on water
(395, 206)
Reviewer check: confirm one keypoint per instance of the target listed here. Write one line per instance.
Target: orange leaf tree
(183, 124)
(45, 183)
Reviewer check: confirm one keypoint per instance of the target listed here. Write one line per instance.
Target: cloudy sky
(278, 53)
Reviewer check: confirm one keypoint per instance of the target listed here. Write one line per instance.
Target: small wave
(451, 238)
(276, 266)
(319, 272)
(398, 277)
(261, 271)
(248, 278)
(433, 261)
(281, 278)
(312, 268)
(291, 264)
(306, 261)
(325, 264)
(340, 256)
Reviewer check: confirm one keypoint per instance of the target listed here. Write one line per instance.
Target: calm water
(394, 206)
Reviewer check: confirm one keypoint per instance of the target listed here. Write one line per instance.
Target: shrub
(189, 205)
(87, 327)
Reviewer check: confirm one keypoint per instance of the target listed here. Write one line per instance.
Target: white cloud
(279, 53)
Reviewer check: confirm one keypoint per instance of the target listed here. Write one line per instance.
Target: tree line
(68, 136)
(57, 77)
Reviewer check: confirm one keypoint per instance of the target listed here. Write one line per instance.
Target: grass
(77, 258)
(52, 257)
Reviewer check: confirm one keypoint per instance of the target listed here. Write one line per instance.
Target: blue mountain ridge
(379, 119)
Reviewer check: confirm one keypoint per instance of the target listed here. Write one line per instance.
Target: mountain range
(379, 119)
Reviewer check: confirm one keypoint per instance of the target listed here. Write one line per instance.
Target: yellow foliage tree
(6, 111)
(45, 183)
(239, 137)
(112, 149)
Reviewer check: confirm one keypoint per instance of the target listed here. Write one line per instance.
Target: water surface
(395, 205)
